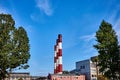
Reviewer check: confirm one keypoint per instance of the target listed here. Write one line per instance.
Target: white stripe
(55, 54)
(60, 60)
(54, 65)
(60, 45)
(59, 72)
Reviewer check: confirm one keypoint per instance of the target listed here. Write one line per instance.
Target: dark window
(82, 67)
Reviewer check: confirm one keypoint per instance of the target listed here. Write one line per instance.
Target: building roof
(83, 60)
(20, 73)
(64, 75)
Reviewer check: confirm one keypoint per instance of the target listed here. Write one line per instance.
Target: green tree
(109, 53)
(14, 46)
(101, 77)
(66, 72)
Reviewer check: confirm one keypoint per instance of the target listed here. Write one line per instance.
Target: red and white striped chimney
(58, 55)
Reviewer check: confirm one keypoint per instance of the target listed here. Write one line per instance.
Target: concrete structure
(87, 68)
(66, 77)
(39, 78)
(17, 76)
(58, 55)
(25, 76)
(58, 75)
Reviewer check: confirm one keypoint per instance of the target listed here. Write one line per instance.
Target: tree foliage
(109, 52)
(101, 77)
(66, 72)
(14, 46)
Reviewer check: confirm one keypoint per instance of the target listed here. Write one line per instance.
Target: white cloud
(115, 20)
(45, 6)
(88, 37)
(87, 47)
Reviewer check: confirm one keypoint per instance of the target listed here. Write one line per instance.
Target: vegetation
(109, 51)
(66, 72)
(101, 77)
(14, 46)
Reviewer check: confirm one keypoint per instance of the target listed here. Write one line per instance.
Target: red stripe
(60, 52)
(57, 55)
(60, 68)
(54, 47)
(54, 71)
(55, 60)
(59, 38)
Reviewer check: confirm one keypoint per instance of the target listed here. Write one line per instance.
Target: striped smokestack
(59, 54)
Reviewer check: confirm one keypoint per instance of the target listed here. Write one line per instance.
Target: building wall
(39, 78)
(67, 77)
(93, 71)
(88, 68)
(17, 76)
(83, 67)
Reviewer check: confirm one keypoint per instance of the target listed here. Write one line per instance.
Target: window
(82, 67)
(92, 75)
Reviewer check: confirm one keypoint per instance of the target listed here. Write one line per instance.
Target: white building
(17, 76)
(87, 68)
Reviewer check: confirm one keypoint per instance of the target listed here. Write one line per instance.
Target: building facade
(66, 77)
(25, 76)
(38, 77)
(17, 76)
(87, 68)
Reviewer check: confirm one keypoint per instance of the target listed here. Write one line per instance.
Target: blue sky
(76, 20)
